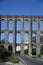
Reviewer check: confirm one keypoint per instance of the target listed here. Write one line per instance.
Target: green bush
(4, 53)
(39, 56)
(1, 49)
(14, 59)
(34, 56)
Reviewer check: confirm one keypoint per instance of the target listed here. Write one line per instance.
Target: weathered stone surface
(22, 18)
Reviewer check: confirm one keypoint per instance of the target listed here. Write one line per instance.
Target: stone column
(30, 37)
(22, 37)
(6, 33)
(14, 36)
(37, 37)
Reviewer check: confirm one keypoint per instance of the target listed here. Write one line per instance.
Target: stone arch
(26, 24)
(26, 42)
(10, 24)
(41, 25)
(25, 47)
(3, 24)
(33, 44)
(34, 37)
(10, 48)
(33, 25)
(18, 24)
(18, 49)
(10, 38)
(3, 38)
(26, 37)
(18, 38)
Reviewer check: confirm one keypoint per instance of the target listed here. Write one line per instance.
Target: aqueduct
(22, 31)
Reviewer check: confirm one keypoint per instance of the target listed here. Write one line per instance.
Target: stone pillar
(6, 33)
(37, 37)
(22, 37)
(14, 36)
(30, 37)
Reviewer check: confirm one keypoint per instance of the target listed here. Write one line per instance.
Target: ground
(25, 61)
(31, 61)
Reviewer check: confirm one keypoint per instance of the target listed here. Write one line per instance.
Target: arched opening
(33, 44)
(26, 37)
(41, 25)
(10, 25)
(26, 42)
(2, 24)
(18, 25)
(2, 38)
(25, 49)
(18, 38)
(41, 38)
(18, 41)
(33, 38)
(26, 25)
(10, 47)
(18, 49)
(33, 25)
(42, 50)
(10, 38)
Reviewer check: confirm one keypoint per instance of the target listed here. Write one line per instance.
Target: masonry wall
(14, 31)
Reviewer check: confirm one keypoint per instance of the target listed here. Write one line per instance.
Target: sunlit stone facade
(14, 31)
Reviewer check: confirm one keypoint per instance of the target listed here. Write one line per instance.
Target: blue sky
(21, 7)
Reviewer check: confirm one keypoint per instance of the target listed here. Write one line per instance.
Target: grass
(14, 59)
(35, 57)
(40, 57)
(3, 60)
